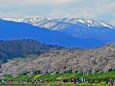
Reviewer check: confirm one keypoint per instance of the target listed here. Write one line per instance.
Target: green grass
(59, 84)
(8, 77)
(96, 78)
(66, 76)
(100, 75)
(63, 76)
(46, 77)
(35, 76)
(22, 77)
(101, 84)
(57, 76)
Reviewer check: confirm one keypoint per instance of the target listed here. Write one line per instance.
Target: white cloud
(35, 2)
(95, 9)
(55, 13)
(62, 1)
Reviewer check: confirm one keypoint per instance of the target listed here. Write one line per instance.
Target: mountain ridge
(67, 20)
(16, 30)
(77, 27)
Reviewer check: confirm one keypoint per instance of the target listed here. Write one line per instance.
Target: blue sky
(92, 9)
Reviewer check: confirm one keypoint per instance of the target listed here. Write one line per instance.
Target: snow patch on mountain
(49, 23)
(87, 22)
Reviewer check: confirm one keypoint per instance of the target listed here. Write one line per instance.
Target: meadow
(96, 79)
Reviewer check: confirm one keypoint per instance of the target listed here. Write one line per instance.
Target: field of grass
(56, 84)
(74, 75)
(96, 79)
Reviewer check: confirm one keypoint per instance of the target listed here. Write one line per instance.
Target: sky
(103, 10)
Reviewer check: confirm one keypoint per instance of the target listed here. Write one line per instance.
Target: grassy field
(74, 75)
(56, 84)
(96, 79)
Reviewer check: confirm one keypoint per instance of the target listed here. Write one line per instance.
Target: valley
(38, 48)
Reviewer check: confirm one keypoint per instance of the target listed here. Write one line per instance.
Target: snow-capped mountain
(76, 27)
(16, 30)
(87, 22)
(49, 23)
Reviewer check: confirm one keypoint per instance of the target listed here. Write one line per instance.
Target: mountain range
(66, 32)
(28, 45)
(10, 30)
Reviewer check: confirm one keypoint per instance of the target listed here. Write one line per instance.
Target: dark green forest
(21, 48)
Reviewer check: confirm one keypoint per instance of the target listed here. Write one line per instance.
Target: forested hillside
(21, 48)
(64, 60)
